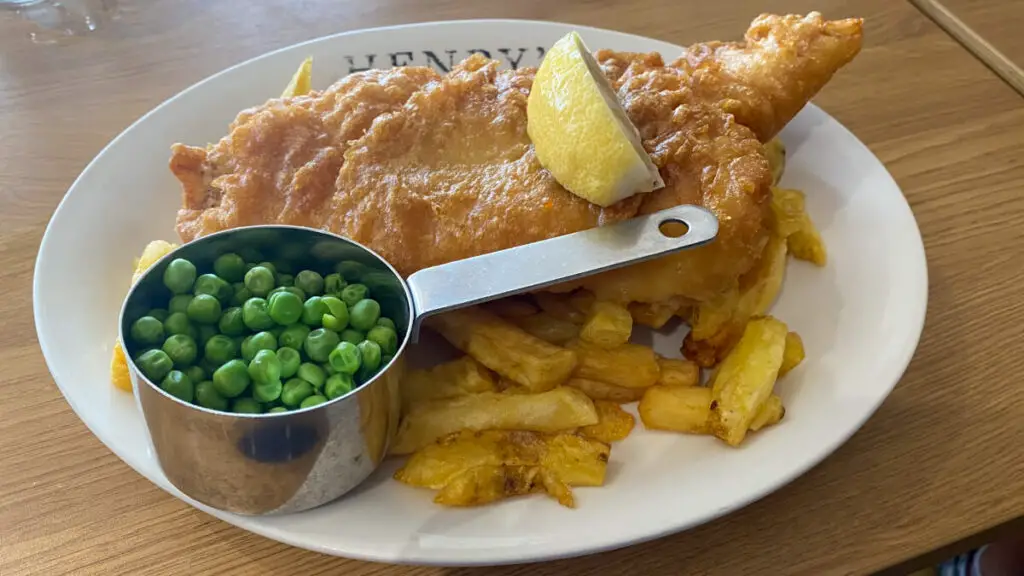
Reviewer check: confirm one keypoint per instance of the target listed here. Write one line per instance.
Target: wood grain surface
(938, 462)
(1000, 22)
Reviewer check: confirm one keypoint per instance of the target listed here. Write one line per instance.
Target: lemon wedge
(580, 131)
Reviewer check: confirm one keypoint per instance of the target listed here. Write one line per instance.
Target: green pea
(154, 364)
(295, 391)
(290, 361)
(386, 359)
(250, 254)
(294, 336)
(265, 368)
(277, 331)
(255, 316)
(215, 286)
(206, 332)
(241, 294)
(387, 323)
(312, 401)
(313, 311)
(231, 322)
(277, 409)
(269, 266)
(181, 349)
(177, 323)
(220, 349)
(353, 336)
(195, 373)
(179, 303)
(334, 284)
(364, 314)
(246, 406)
(338, 385)
(328, 369)
(345, 358)
(353, 293)
(337, 317)
(208, 397)
(231, 379)
(204, 309)
(310, 282)
(230, 267)
(257, 342)
(292, 289)
(267, 392)
(208, 366)
(350, 270)
(313, 374)
(285, 308)
(259, 281)
(385, 337)
(159, 313)
(179, 276)
(319, 344)
(370, 353)
(147, 331)
(177, 384)
(285, 280)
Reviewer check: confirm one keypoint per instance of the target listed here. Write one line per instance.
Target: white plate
(860, 318)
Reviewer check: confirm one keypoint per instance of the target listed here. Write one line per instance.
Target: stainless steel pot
(293, 461)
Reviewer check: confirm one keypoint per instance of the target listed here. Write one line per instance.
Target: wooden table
(938, 462)
(1001, 22)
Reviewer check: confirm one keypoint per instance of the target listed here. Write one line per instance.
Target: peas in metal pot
(353, 336)
(179, 276)
(294, 336)
(334, 284)
(147, 331)
(230, 267)
(285, 280)
(385, 337)
(195, 373)
(310, 282)
(220, 349)
(319, 344)
(255, 315)
(177, 384)
(231, 322)
(215, 286)
(246, 406)
(206, 332)
(350, 270)
(241, 294)
(208, 397)
(313, 374)
(311, 401)
(370, 354)
(313, 311)
(337, 314)
(295, 391)
(154, 364)
(231, 379)
(259, 281)
(290, 361)
(179, 303)
(292, 289)
(364, 314)
(387, 323)
(177, 323)
(269, 266)
(353, 293)
(345, 358)
(159, 313)
(181, 349)
(277, 409)
(257, 342)
(204, 309)
(338, 385)
(285, 308)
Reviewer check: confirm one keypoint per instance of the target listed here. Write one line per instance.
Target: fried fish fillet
(427, 169)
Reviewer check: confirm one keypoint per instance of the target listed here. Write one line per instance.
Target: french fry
(604, 391)
(771, 413)
(793, 355)
(792, 222)
(477, 467)
(556, 410)
(154, 251)
(505, 348)
(608, 325)
(613, 424)
(719, 323)
(301, 81)
(449, 380)
(776, 153)
(655, 315)
(628, 365)
(559, 306)
(675, 408)
(678, 372)
(547, 327)
(511, 307)
(744, 380)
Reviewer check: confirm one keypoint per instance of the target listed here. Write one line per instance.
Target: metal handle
(540, 264)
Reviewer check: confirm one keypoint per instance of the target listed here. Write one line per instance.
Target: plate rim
(917, 319)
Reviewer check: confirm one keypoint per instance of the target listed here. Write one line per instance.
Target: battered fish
(426, 169)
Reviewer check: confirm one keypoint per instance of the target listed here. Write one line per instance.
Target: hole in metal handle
(673, 228)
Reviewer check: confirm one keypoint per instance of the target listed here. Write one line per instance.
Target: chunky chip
(449, 380)
(628, 365)
(613, 424)
(608, 325)
(597, 390)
